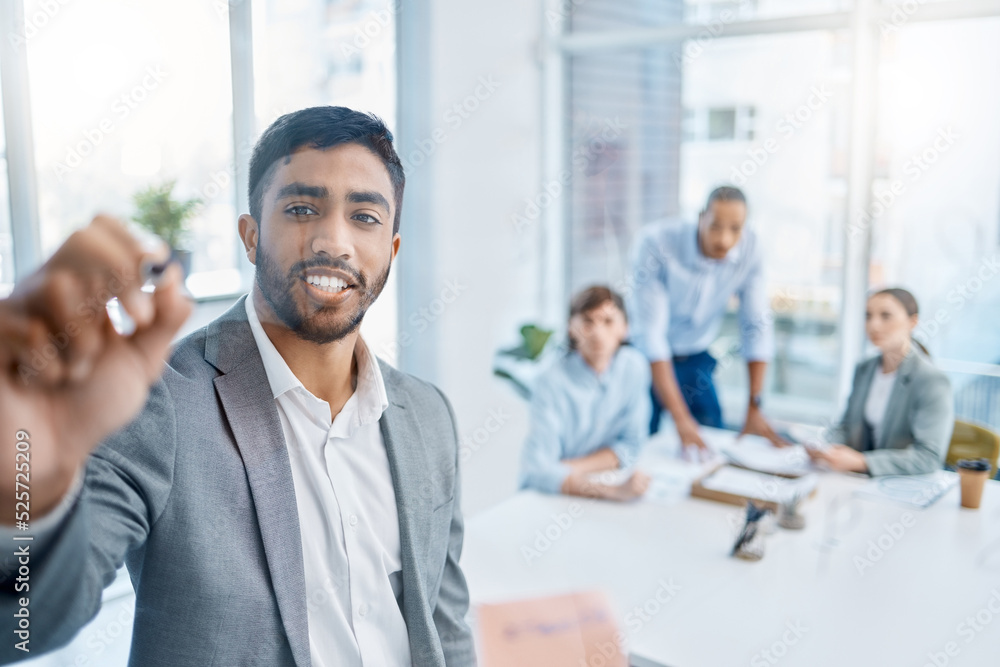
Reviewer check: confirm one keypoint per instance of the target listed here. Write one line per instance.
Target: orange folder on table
(566, 630)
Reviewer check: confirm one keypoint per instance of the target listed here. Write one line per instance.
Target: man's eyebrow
(299, 189)
(368, 197)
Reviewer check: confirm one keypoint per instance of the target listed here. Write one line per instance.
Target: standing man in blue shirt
(684, 277)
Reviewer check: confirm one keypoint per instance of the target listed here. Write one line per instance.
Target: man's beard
(277, 290)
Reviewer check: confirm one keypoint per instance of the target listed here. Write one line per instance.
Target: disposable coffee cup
(973, 474)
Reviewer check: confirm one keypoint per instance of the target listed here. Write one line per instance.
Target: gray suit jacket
(918, 422)
(196, 497)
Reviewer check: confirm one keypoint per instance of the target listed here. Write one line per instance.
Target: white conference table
(809, 601)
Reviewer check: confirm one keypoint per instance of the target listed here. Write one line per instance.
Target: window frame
(17, 117)
(864, 21)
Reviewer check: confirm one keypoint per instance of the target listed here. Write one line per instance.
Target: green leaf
(161, 214)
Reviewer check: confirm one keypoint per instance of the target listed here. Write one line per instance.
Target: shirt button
(354, 519)
(363, 609)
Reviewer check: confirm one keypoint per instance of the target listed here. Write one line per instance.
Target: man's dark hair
(322, 128)
(592, 298)
(725, 193)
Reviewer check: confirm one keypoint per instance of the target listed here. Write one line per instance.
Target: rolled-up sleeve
(649, 301)
(756, 318)
(635, 426)
(541, 466)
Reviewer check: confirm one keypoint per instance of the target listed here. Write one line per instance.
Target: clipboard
(734, 485)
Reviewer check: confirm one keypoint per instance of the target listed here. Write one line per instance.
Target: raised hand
(67, 378)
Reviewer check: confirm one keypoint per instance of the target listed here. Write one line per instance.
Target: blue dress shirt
(575, 412)
(678, 296)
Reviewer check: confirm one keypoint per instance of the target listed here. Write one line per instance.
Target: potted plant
(161, 214)
(522, 365)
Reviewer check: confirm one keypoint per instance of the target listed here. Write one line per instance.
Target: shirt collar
(581, 369)
(370, 391)
(279, 375)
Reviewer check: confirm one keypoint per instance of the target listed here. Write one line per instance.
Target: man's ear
(250, 235)
(395, 246)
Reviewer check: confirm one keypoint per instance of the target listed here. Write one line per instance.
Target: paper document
(758, 485)
(916, 490)
(574, 629)
(757, 453)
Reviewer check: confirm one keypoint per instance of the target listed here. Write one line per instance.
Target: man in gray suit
(283, 498)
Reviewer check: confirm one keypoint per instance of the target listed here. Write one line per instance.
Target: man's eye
(300, 210)
(367, 219)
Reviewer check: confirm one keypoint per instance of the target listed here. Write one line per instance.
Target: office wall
(472, 161)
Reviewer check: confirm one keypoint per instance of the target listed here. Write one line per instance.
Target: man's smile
(328, 285)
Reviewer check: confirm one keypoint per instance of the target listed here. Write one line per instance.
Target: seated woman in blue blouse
(900, 414)
(590, 412)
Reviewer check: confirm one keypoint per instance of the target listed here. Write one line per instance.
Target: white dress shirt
(878, 400)
(347, 513)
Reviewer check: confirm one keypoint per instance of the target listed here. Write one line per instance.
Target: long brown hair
(909, 303)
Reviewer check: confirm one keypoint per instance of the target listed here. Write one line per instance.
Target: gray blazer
(196, 497)
(918, 420)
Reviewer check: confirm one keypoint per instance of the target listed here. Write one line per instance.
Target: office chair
(973, 441)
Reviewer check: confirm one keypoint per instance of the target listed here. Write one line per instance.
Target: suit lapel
(411, 482)
(897, 399)
(858, 418)
(246, 399)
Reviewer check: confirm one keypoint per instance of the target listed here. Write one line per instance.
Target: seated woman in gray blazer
(900, 414)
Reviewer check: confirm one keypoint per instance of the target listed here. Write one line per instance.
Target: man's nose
(333, 237)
